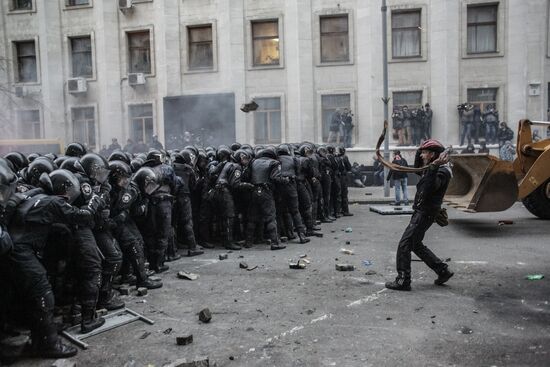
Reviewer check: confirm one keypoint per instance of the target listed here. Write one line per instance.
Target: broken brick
(205, 315)
(142, 291)
(184, 340)
(345, 267)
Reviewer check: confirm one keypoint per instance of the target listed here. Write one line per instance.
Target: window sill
(402, 60)
(201, 71)
(147, 76)
(77, 7)
(14, 12)
(88, 79)
(25, 84)
(266, 67)
(334, 63)
(484, 55)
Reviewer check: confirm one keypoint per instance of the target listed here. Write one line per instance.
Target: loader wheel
(538, 202)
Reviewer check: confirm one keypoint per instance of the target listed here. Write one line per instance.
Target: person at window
(399, 179)
(334, 128)
(490, 118)
(397, 119)
(428, 116)
(407, 125)
(504, 134)
(347, 121)
(483, 148)
(466, 113)
(470, 149)
(479, 128)
(155, 143)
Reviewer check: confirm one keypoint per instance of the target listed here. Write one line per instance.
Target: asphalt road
(488, 315)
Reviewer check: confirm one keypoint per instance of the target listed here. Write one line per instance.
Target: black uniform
(304, 192)
(345, 168)
(288, 196)
(183, 211)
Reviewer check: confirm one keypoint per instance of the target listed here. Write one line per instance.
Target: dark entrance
(203, 120)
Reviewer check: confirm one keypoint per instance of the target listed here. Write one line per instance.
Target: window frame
(125, 57)
(251, 118)
(316, 36)
(268, 130)
(40, 121)
(66, 5)
(353, 106)
(418, 29)
(501, 97)
(502, 11)
(13, 10)
(68, 44)
(250, 41)
(321, 34)
(129, 118)
(424, 34)
(14, 58)
(97, 145)
(483, 104)
(184, 48)
(492, 23)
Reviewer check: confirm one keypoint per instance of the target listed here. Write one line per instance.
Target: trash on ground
(64, 363)
(465, 330)
(389, 318)
(252, 268)
(205, 315)
(302, 256)
(345, 267)
(184, 340)
(505, 222)
(347, 251)
(300, 264)
(447, 259)
(367, 262)
(198, 362)
(167, 331)
(142, 291)
(141, 301)
(534, 277)
(348, 230)
(187, 275)
(124, 291)
(370, 272)
(306, 261)
(348, 242)
(368, 193)
(145, 335)
(223, 256)
(243, 265)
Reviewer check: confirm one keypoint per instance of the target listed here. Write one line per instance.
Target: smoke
(203, 120)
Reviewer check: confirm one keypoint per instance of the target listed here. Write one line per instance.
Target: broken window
(200, 47)
(26, 62)
(334, 38)
(140, 52)
(21, 5)
(77, 2)
(29, 125)
(141, 123)
(84, 126)
(267, 121)
(81, 57)
(406, 33)
(482, 29)
(329, 104)
(412, 99)
(265, 43)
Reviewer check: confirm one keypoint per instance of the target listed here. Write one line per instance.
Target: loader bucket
(481, 183)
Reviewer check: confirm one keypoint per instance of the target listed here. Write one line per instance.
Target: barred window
(77, 2)
(483, 97)
(21, 5)
(412, 99)
(141, 122)
(329, 104)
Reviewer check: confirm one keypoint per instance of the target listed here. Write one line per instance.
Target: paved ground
(275, 316)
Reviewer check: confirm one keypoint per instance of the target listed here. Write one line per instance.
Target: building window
(29, 124)
(81, 56)
(267, 121)
(21, 5)
(26, 62)
(265, 43)
(139, 45)
(482, 97)
(334, 38)
(200, 47)
(84, 126)
(141, 123)
(331, 107)
(482, 29)
(406, 33)
(411, 99)
(77, 2)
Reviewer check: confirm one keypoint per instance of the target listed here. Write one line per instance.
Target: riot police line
(72, 226)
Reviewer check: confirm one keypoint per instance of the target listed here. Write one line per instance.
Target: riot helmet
(120, 173)
(61, 183)
(146, 180)
(75, 150)
(95, 166)
(8, 183)
(37, 168)
(18, 160)
(118, 155)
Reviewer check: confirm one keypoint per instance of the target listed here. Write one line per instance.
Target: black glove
(94, 203)
(121, 218)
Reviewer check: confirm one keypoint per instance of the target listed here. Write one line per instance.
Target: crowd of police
(75, 225)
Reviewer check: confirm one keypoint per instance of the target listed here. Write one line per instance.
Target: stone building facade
(93, 69)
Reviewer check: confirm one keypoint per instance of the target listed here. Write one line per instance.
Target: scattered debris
(432, 317)
(306, 261)
(367, 262)
(345, 267)
(300, 264)
(465, 330)
(347, 251)
(389, 318)
(348, 230)
(64, 363)
(231, 358)
(505, 222)
(241, 257)
(368, 193)
(284, 239)
(142, 291)
(243, 265)
(184, 340)
(310, 312)
(447, 259)
(141, 301)
(252, 268)
(125, 291)
(303, 255)
(198, 362)
(167, 331)
(205, 315)
(186, 275)
(332, 231)
(348, 242)
(145, 335)
(370, 272)
(534, 277)
(223, 256)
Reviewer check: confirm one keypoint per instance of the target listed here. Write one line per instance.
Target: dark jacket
(395, 175)
(431, 189)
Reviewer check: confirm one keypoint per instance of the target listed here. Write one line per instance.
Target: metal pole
(386, 98)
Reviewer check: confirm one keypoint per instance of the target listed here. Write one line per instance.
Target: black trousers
(288, 198)
(336, 195)
(304, 200)
(344, 193)
(112, 258)
(185, 235)
(217, 203)
(316, 197)
(88, 265)
(411, 241)
(326, 183)
(159, 229)
(131, 244)
(262, 213)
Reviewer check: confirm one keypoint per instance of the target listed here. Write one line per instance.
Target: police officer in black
(325, 168)
(427, 205)
(29, 229)
(345, 168)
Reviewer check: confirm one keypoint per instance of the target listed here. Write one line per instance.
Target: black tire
(538, 202)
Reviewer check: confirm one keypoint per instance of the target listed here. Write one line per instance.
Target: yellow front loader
(484, 183)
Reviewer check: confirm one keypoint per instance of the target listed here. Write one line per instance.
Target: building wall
(443, 73)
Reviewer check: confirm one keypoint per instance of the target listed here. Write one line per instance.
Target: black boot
(54, 348)
(149, 284)
(129, 279)
(90, 321)
(443, 276)
(208, 245)
(312, 233)
(195, 252)
(275, 245)
(401, 283)
(109, 301)
(303, 238)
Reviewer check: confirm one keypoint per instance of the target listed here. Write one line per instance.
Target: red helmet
(433, 145)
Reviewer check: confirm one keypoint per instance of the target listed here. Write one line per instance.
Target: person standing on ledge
(427, 206)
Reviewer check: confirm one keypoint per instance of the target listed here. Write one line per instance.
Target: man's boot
(52, 347)
(443, 276)
(109, 301)
(195, 252)
(401, 283)
(228, 234)
(303, 238)
(312, 233)
(277, 246)
(149, 284)
(90, 321)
